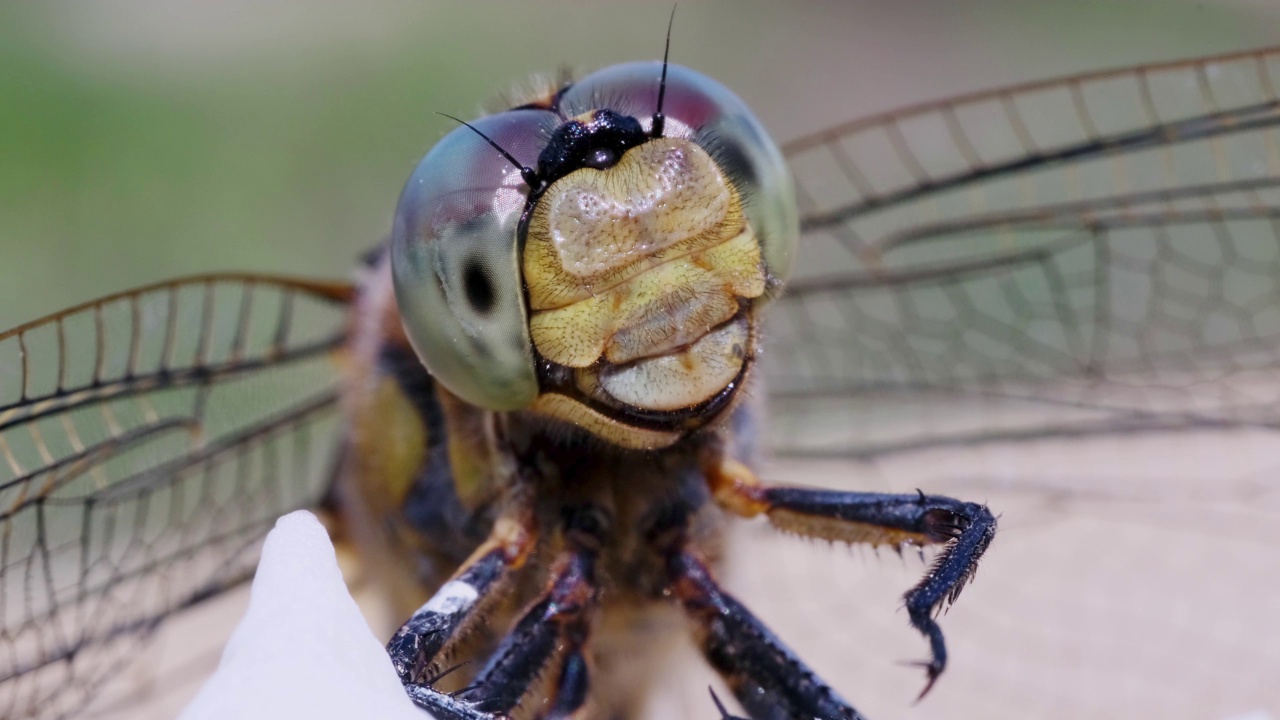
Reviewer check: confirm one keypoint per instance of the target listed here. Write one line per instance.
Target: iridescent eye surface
(458, 236)
(455, 262)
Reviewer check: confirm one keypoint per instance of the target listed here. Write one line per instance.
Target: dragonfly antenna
(658, 119)
(528, 174)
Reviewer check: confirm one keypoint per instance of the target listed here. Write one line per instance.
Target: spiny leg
(573, 680)
(572, 685)
(473, 703)
(878, 519)
(423, 640)
(557, 621)
(443, 706)
(770, 681)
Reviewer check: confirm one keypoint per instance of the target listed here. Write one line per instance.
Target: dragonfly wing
(1092, 255)
(1062, 299)
(147, 442)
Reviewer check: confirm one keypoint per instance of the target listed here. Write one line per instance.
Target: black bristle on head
(659, 120)
(528, 174)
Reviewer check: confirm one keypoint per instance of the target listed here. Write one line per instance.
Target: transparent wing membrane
(1062, 299)
(147, 441)
(1098, 254)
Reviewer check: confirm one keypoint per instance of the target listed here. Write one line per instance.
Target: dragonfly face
(1084, 259)
(616, 286)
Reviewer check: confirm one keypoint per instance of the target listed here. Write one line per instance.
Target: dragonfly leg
(572, 684)
(489, 697)
(443, 706)
(965, 529)
(557, 621)
(425, 637)
(770, 681)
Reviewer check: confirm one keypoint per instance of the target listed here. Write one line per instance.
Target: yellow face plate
(646, 262)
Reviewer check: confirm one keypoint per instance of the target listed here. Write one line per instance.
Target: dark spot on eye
(480, 291)
(601, 158)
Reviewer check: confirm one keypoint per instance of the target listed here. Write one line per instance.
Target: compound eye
(454, 261)
(601, 158)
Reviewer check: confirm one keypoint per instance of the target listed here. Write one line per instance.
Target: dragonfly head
(616, 287)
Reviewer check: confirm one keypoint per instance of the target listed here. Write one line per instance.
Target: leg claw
(932, 670)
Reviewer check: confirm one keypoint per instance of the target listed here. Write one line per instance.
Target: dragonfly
(1091, 259)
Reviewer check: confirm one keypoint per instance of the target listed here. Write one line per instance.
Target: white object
(303, 650)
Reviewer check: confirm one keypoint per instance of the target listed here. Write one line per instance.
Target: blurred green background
(142, 139)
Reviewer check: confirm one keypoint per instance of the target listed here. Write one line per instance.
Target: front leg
(965, 529)
(556, 623)
(418, 646)
(425, 637)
